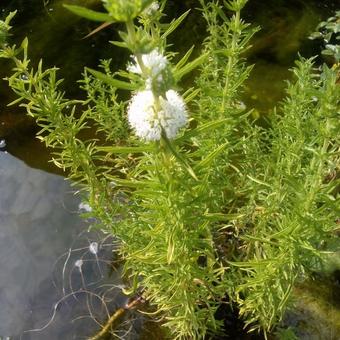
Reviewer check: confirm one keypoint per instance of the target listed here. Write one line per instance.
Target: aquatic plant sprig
(152, 181)
(329, 32)
(158, 110)
(126, 10)
(221, 207)
(5, 28)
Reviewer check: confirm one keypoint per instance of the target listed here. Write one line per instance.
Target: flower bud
(151, 9)
(157, 72)
(125, 10)
(5, 27)
(3, 33)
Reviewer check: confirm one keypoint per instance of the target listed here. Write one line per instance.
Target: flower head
(154, 62)
(156, 71)
(125, 10)
(151, 9)
(148, 122)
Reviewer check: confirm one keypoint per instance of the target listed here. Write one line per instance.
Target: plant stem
(231, 60)
(114, 319)
(132, 35)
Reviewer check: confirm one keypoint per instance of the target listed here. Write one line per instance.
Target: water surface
(53, 273)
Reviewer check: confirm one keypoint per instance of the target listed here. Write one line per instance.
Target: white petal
(148, 123)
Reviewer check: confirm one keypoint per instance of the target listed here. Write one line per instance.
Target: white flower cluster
(148, 123)
(154, 62)
(151, 9)
(147, 118)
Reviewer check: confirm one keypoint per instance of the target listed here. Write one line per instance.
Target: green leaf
(119, 84)
(315, 35)
(120, 44)
(178, 156)
(131, 183)
(125, 149)
(88, 13)
(190, 94)
(179, 73)
(259, 239)
(174, 24)
(258, 181)
(9, 17)
(170, 251)
(202, 128)
(327, 52)
(210, 158)
(253, 264)
(185, 58)
(222, 217)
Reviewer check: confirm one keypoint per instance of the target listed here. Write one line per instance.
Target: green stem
(231, 60)
(132, 35)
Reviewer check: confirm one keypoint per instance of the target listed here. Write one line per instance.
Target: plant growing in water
(329, 32)
(205, 202)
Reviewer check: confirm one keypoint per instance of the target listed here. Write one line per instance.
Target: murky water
(57, 36)
(53, 273)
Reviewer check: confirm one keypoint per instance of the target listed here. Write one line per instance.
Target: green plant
(205, 204)
(329, 31)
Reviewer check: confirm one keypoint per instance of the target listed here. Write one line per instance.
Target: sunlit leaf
(88, 13)
(119, 84)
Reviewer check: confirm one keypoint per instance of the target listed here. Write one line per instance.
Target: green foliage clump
(329, 32)
(5, 28)
(224, 207)
(292, 211)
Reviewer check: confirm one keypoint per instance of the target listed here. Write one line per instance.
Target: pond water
(57, 36)
(54, 274)
(52, 282)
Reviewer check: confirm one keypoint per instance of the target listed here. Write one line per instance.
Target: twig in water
(112, 322)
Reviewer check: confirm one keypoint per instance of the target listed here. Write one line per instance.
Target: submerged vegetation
(205, 202)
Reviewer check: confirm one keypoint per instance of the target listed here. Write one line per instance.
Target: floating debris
(84, 207)
(93, 248)
(2, 144)
(79, 264)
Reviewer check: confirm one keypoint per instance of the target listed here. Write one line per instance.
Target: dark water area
(57, 36)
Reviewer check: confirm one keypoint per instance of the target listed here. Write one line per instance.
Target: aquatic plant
(205, 202)
(329, 32)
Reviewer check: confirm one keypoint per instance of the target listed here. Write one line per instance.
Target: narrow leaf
(222, 217)
(119, 84)
(258, 181)
(202, 128)
(210, 158)
(170, 252)
(88, 13)
(190, 95)
(174, 24)
(183, 61)
(99, 28)
(131, 183)
(178, 156)
(253, 264)
(178, 74)
(125, 149)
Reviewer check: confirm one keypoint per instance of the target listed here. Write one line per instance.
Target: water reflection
(49, 263)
